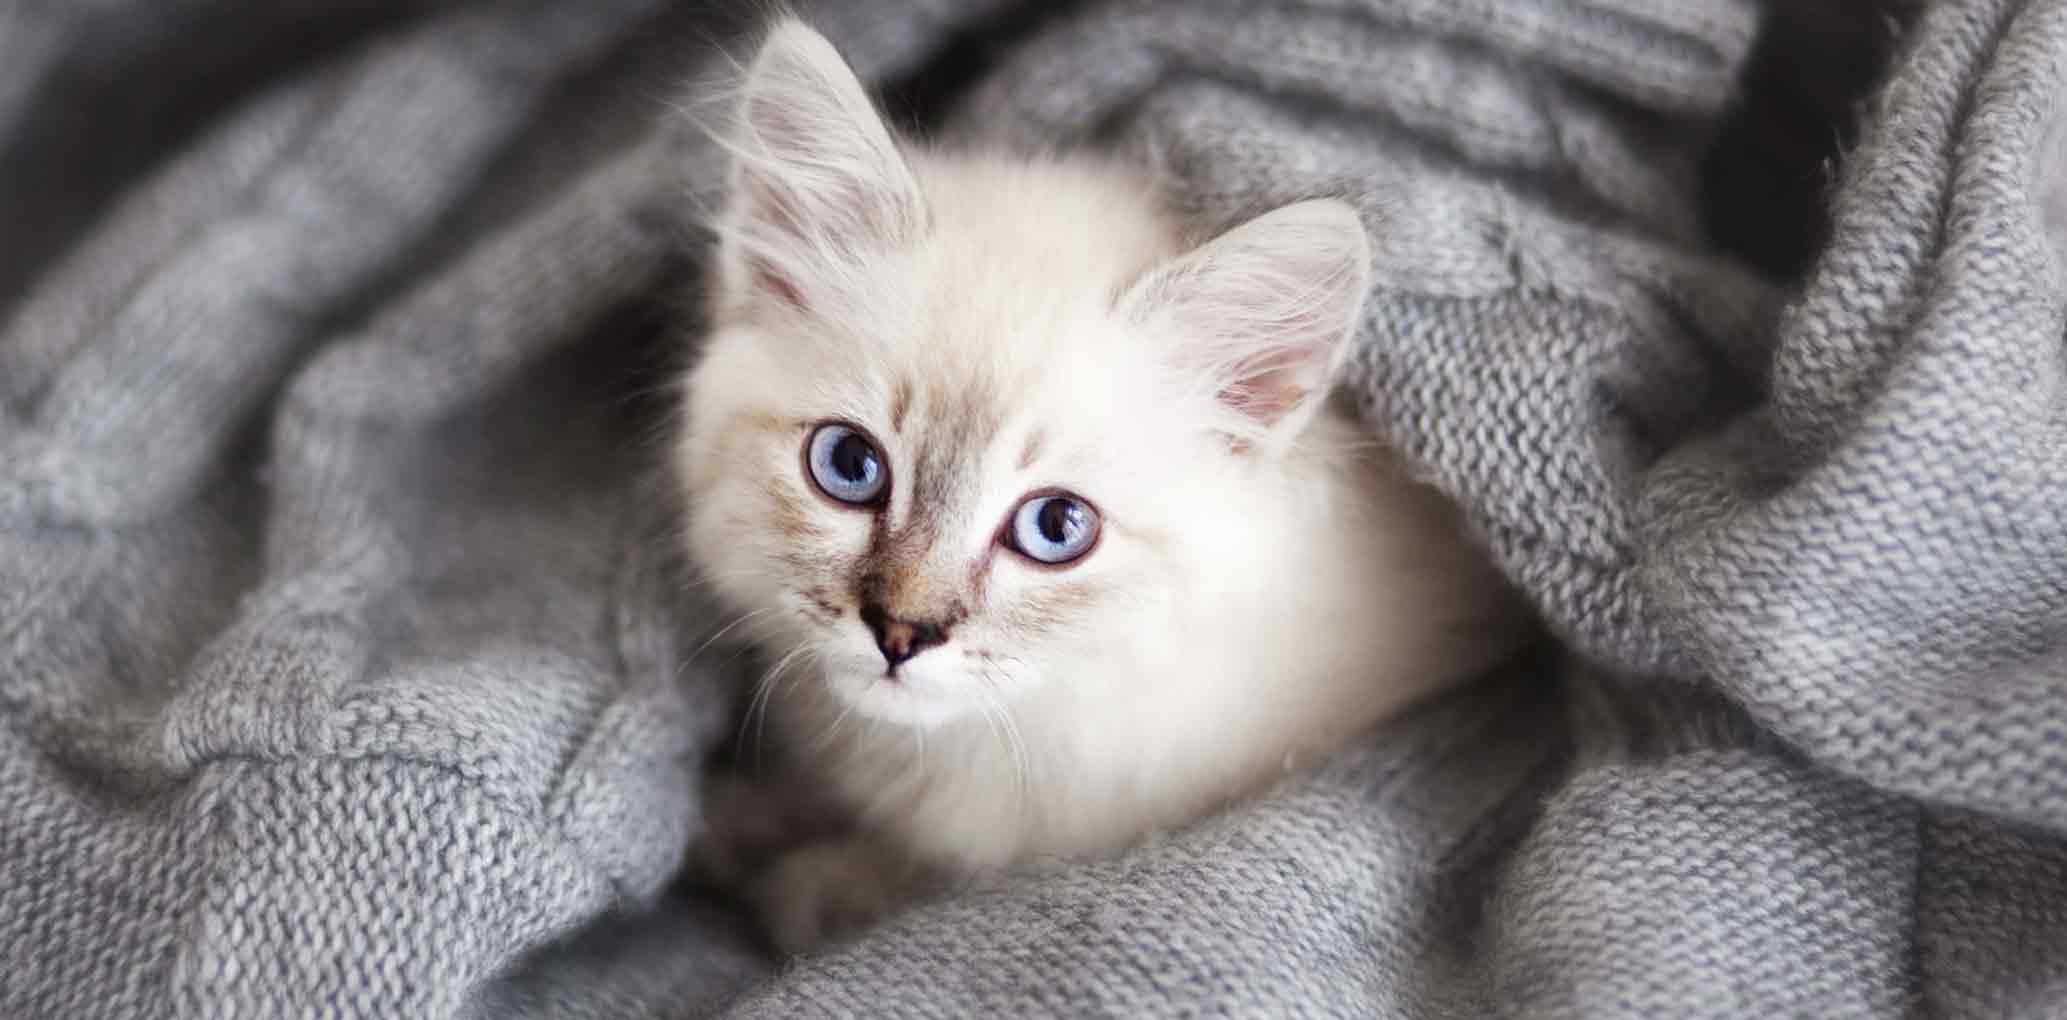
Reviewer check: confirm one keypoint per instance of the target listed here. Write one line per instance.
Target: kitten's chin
(917, 697)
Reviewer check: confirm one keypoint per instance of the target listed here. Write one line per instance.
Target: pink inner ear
(769, 281)
(1268, 385)
(779, 213)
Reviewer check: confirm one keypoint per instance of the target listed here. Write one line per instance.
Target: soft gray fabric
(345, 669)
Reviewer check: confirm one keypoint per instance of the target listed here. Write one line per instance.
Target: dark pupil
(852, 458)
(1056, 519)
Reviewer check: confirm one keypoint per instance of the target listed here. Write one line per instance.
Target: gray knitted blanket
(344, 671)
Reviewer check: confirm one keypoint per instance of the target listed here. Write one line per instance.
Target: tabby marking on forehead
(959, 424)
(1032, 451)
(900, 404)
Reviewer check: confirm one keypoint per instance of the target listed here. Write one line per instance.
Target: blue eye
(1056, 528)
(846, 465)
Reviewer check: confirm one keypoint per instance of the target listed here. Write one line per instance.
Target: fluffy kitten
(1042, 513)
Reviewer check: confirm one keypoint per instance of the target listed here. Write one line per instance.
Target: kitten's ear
(818, 179)
(1265, 313)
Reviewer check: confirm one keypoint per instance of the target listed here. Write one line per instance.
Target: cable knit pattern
(345, 669)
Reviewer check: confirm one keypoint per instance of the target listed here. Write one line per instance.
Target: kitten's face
(932, 533)
(964, 427)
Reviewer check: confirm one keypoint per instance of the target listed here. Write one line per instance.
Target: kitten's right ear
(1265, 314)
(818, 180)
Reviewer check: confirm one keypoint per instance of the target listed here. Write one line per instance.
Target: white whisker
(825, 739)
(996, 708)
(722, 631)
(764, 691)
(919, 758)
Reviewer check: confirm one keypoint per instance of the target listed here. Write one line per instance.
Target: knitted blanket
(345, 670)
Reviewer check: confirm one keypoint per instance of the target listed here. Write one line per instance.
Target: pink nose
(899, 640)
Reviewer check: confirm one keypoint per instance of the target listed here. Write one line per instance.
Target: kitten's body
(1264, 583)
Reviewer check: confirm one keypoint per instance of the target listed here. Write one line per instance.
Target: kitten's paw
(823, 893)
(743, 825)
(749, 823)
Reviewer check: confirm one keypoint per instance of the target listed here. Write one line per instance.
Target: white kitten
(1043, 513)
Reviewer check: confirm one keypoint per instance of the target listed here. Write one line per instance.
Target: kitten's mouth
(888, 684)
(896, 694)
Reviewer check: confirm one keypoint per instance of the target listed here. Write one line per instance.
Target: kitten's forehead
(992, 351)
(1041, 394)
(968, 442)
(1015, 288)
(1070, 227)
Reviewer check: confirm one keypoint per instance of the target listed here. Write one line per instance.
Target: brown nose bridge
(910, 586)
(917, 599)
(912, 577)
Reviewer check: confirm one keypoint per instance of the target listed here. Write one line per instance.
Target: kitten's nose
(900, 639)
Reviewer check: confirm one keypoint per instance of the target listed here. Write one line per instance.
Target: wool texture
(347, 670)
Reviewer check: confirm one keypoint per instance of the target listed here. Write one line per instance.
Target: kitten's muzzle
(897, 639)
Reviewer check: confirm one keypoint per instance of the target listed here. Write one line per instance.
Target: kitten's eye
(1054, 529)
(845, 465)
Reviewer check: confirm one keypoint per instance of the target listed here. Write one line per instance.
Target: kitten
(1043, 512)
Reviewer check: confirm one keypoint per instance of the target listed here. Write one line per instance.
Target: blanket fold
(346, 668)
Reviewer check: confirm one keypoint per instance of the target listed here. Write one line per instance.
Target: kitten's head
(967, 425)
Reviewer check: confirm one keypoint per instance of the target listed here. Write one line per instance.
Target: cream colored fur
(1266, 585)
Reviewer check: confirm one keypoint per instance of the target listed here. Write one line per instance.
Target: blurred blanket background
(345, 670)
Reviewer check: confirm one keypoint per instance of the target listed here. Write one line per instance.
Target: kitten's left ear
(1266, 311)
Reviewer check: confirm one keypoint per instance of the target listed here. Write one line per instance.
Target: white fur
(1267, 583)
